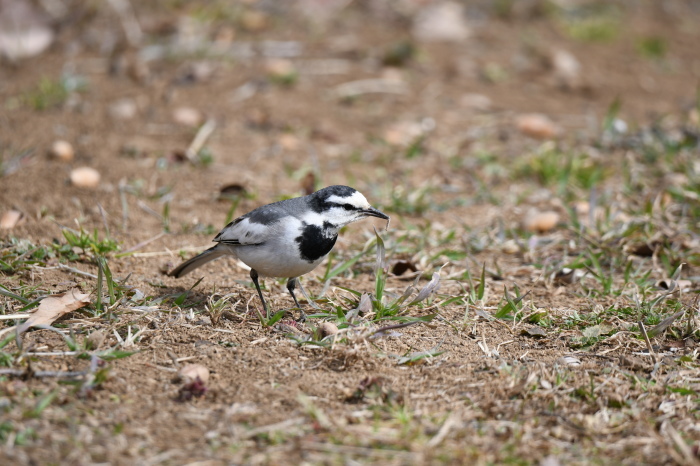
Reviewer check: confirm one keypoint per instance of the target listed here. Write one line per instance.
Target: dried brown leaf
(233, 190)
(363, 307)
(565, 276)
(308, 183)
(56, 306)
(535, 331)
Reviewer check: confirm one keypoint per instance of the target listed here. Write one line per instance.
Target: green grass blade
(112, 354)
(343, 266)
(349, 290)
(100, 279)
(183, 296)
(481, 291)
(277, 316)
(232, 209)
(5, 292)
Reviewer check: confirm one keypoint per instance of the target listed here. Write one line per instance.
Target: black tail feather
(198, 261)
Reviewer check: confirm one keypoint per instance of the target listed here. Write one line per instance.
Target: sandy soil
(497, 392)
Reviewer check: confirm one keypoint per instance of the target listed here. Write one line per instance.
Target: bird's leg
(291, 284)
(254, 277)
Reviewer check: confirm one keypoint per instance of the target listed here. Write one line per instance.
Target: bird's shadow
(186, 298)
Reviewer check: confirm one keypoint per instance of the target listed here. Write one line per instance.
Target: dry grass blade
(370, 86)
(141, 244)
(450, 422)
(279, 426)
(647, 341)
(664, 324)
(381, 253)
(428, 289)
(671, 433)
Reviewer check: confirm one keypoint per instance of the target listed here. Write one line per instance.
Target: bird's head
(341, 205)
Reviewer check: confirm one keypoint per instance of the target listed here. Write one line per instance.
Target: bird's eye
(348, 207)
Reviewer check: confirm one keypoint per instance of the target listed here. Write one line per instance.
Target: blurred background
(423, 105)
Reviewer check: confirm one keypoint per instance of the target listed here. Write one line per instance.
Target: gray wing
(254, 227)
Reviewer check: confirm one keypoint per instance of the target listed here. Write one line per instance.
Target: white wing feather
(244, 232)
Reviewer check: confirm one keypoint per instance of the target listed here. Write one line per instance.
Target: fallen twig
(141, 244)
(73, 270)
(200, 139)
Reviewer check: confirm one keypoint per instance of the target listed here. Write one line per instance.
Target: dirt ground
(426, 108)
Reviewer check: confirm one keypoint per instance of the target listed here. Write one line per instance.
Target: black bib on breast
(313, 244)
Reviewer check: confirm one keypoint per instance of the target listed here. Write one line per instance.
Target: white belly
(279, 261)
(279, 255)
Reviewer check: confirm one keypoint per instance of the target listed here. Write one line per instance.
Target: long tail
(198, 261)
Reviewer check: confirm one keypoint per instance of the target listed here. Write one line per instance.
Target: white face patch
(313, 218)
(357, 200)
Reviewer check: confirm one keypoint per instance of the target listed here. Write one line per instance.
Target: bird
(289, 238)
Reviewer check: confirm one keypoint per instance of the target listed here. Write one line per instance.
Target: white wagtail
(287, 238)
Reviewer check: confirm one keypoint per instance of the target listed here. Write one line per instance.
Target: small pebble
(62, 150)
(253, 21)
(123, 109)
(510, 247)
(567, 68)
(478, 102)
(95, 339)
(541, 222)
(441, 22)
(280, 68)
(403, 133)
(85, 177)
(190, 372)
(289, 141)
(694, 116)
(327, 329)
(537, 126)
(188, 116)
(10, 219)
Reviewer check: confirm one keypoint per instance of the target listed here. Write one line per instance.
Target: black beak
(372, 212)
